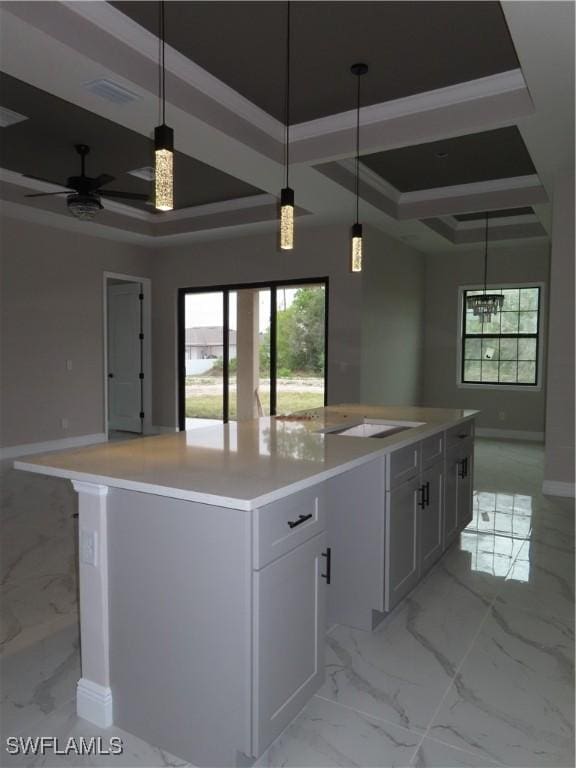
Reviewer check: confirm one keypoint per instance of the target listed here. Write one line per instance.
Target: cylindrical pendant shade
(164, 168)
(356, 249)
(287, 219)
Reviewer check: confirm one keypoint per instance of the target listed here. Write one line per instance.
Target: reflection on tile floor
(475, 669)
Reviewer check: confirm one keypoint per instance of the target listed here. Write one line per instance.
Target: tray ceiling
(411, 47)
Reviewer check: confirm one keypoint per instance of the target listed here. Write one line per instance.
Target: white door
(124, 357)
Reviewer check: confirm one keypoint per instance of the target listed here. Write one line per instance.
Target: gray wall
(560, 401)
(445, 272)
(392, 322)
(51, 312)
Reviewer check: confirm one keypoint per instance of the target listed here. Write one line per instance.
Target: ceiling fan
(84, 192)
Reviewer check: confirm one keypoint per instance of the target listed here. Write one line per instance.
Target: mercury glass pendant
(484, 305)
(356, 244)
(163, 137)
(287, 194)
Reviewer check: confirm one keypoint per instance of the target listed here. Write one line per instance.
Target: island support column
(93, 693)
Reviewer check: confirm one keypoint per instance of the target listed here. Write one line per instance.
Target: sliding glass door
(251, 350)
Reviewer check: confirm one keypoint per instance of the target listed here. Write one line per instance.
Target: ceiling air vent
(146, 173)
(8, 117)
(111, 91)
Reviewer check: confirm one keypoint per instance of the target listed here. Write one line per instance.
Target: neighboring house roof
(208, 336)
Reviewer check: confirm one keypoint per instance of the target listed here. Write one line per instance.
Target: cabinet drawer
(432, 449)
(402, 465)
(286, 523)
(460, 432)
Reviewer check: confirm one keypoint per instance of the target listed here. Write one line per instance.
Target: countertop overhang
(243, 465)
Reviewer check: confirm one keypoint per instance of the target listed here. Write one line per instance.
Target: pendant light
(163, 135)
(485, 304)
(356, 244)
(287, 194)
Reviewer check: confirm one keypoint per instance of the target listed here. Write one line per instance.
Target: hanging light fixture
(287, 194)
(485, 304)
(163, 136)
(356, 245)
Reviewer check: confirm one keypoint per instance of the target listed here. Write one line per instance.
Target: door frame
(225, 289)
(146, 284)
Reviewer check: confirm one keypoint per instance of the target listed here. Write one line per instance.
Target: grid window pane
(526, 349)
(509, 349)
(511, 299)
(509, 322)
(504, 350)
(528, 322)
(472, 370)
(489, 370)
(490, 349)
(529, 298)
(526, 372)
(507, 372)
(472, 349)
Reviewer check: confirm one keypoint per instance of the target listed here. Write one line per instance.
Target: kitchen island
(210, 561)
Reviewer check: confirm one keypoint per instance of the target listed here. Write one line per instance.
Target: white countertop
(243, 464)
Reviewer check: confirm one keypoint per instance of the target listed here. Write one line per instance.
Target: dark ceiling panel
(495, 214)
(43, 146)
(498, 154)
(410, 47)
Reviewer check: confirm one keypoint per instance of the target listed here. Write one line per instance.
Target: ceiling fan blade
(48, 194)
(125, 195)
(46, 181)
(99, 181)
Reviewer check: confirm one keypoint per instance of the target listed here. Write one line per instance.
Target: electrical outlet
(502, 415)
(64, 423)
(68, 365)
(88, 547)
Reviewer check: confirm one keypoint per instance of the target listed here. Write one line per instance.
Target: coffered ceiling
(464, 112)
(410, 47)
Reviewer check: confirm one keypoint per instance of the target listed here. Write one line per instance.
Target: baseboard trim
(160, 430)
(510, 434)
(94, 703)
(13, 451)
(558, 488)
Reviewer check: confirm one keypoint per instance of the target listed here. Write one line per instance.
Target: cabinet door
(289, 625)
(401, 561)
(450, 523)
(465, 490)
(430, 516)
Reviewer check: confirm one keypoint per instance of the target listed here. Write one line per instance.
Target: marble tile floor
(476, 668)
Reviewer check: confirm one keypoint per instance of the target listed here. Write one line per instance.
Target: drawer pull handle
(427, 493)
(463, 436)
(301, 519)
(328, 556)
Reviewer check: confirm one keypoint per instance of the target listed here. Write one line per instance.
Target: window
(505, 350)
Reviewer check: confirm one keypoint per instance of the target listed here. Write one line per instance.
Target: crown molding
(475, 188)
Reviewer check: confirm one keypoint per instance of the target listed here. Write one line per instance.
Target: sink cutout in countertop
(369, 429)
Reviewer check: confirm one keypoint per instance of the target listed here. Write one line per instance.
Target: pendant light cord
(486, 256)
(358, 149)
(287, 104)
(162, 63)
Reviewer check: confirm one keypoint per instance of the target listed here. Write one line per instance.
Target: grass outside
(203, 406)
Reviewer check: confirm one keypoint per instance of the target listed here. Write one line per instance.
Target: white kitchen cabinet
(401, 558)
(430, 505)
(289, 625)
(459, 489)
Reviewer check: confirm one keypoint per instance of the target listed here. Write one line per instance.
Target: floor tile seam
(417, 732)
(464, 751)
(456, 673)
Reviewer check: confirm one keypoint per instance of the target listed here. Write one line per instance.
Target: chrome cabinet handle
(301, 519)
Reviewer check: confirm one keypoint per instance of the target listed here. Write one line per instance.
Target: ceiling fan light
(164, 168)
(84, 207)
(287, 219)
(356, 248)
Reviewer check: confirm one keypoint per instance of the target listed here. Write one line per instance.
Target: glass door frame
(272, 286)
